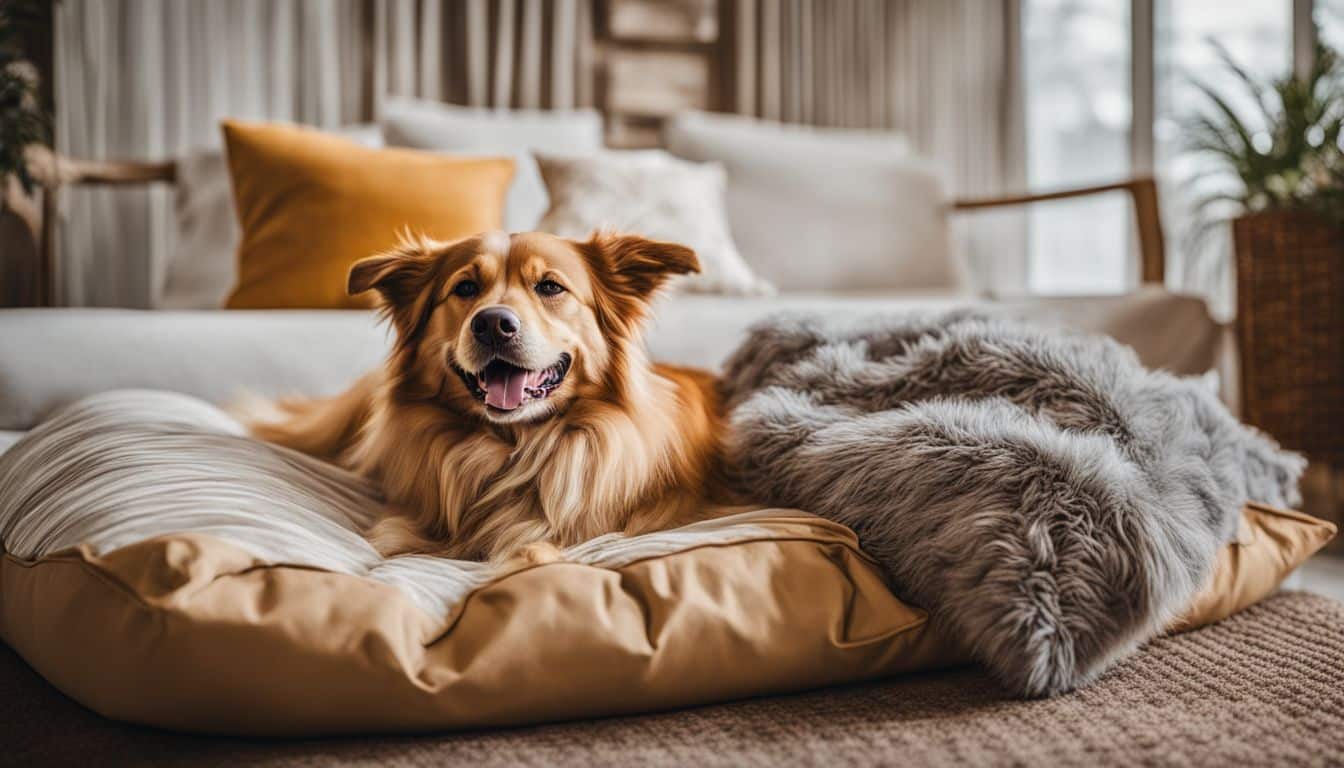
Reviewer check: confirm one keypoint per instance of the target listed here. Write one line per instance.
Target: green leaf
(1253, 85)
(1293, 172)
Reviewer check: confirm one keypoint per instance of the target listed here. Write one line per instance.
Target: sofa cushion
(50, 358)
(311, 204)
(824, 209)
(202, 267)
(476, 131)
(703, 330)
(656, 195)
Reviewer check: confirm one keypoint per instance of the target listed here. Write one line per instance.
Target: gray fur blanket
(1052, 503)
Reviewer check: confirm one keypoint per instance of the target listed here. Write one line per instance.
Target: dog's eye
(466, 289)
(550, 288)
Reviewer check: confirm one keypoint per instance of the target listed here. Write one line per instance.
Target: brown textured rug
(1265, 687)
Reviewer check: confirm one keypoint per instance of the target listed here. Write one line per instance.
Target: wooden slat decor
(674, 21)
(657, 57)
(655, 83)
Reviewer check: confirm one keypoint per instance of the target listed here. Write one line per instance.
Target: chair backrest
(815, 209)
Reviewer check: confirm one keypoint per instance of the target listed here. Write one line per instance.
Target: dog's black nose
(494, 326)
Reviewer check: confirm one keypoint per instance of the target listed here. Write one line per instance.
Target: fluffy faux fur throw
(1050, 501)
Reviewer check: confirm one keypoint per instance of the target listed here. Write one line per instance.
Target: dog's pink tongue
(504, 389)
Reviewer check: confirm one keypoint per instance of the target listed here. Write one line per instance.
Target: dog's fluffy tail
(321, 427)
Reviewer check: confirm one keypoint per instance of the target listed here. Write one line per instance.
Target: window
(1076, 65)
(1257, 34)
(1080, 102)
(1329, 18)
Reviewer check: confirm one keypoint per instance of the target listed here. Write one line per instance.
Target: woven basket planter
(1290, 326)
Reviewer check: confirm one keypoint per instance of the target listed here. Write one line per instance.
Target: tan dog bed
(162, 568)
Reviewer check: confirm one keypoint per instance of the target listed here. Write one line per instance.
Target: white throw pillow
(472, 130)
(825, 209)
(202, 265)
(656, 195)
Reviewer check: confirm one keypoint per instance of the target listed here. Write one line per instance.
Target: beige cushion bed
(162, 568)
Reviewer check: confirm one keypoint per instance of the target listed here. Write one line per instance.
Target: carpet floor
(1265, 687)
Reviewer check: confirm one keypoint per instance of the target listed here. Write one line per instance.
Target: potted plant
(23, 125)
(1280, 179)
(22, 119)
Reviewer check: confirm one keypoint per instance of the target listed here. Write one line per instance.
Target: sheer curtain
(148, 79)
(943, 72)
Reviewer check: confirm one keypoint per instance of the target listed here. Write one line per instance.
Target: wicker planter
(1290, 326)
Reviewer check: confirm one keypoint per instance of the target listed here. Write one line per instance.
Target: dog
(517, 412)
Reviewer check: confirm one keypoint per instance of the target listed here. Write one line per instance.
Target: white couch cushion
(470, 130)
(825, 209)
(51, 357)
(704, 330)
(656, 195)
(202, 266)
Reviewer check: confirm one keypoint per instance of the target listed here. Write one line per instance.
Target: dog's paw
(537, 553)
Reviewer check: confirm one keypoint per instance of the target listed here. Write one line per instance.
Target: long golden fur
(618, 445)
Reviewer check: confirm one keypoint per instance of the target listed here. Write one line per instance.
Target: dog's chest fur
(482, 491)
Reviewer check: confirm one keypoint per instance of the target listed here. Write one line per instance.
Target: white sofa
(840, 222)
(53, 356)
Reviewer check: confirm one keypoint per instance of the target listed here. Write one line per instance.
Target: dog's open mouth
(505, 386)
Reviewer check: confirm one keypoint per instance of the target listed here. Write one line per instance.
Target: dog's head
(515, 327)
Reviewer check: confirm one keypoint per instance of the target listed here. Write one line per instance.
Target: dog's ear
(403, 278)
(637, 266)
(367, 272)
(630, 270)
(398, 275)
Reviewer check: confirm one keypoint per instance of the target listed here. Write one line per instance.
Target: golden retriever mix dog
(517, 412)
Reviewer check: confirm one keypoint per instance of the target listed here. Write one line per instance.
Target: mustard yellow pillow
(310, 204)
